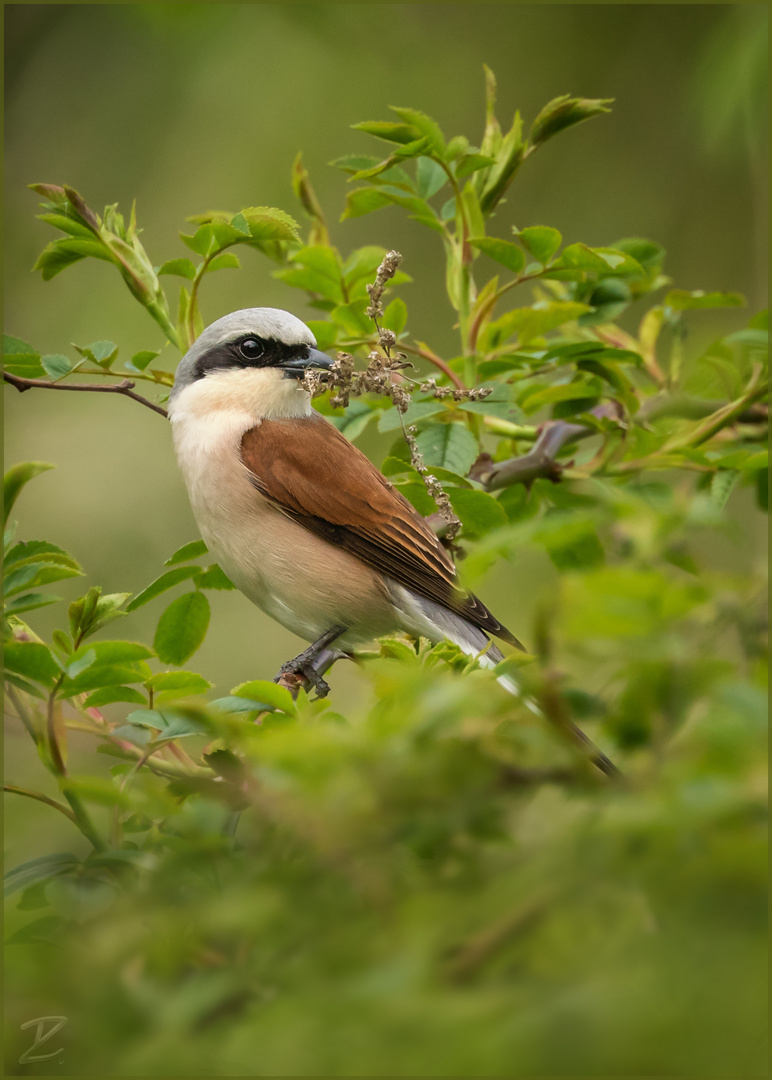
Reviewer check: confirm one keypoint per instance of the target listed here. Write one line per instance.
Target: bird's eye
(251, 349)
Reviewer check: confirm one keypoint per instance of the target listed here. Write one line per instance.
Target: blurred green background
(191, 107)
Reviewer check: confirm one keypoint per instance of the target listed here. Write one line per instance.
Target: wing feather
(312, 473)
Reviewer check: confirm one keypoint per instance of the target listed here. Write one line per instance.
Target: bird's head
(253, 352)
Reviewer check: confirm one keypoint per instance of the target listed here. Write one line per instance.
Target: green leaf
(21, 359)
(111, 694)
(424, 124)
(102, 353)
(504, 252)
(316, 270)
(388, 131)
(472, 163)
(363, 201)
(56, 365)
(233, 704)
(32, 660)
(563, 112)
(477, 511)
(29, 602)
(141, 360)
(354, 420)
(683, 300)
(532, 322)
(451, 446)
(182, 628)
(212, 577)
(97, 676)
(27, 551)
(389, 419)
(722, 485)
(15, 479)
(430, 177)
(170, 685)
(541, 241)
(395, 316)
(60, 254)
(179, 267)
(162, 584)
(260, 690)
(352, 320)
(41, 869)
(226, 261)
(30, 575)
(193, 550)
(170, 723)
(114, 652)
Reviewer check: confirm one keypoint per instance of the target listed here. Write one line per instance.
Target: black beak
(314, 358)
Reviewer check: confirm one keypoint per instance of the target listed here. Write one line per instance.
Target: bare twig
(541, 460)
(124, 388)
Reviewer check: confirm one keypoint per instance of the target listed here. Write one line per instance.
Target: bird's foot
(309, 666)
(296, 672)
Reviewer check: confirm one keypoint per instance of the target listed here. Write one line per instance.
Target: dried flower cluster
(384, 375)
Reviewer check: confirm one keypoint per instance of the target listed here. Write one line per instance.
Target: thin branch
(541, 460)
(125, 389)
(40, 797)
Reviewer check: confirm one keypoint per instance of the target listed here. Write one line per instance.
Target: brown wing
(318, 478)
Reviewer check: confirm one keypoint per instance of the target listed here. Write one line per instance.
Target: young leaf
(21, 359)
(541, 241)
(212, 577)
(179, 267)
(29, 602)
(32, 660)
(388, 130)
(15, 479)
(273, 696)
(171, 685)
(97, 676)
(56, 365)
(111, 694)
(504, 252)
(141, 360)
(425, 126)
(193, 550)
(430, 177)
(563, 112)
(162, 584)
(182, 628)
(451, 446)
(363, 201)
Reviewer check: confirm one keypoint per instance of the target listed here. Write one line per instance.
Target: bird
(299, 518)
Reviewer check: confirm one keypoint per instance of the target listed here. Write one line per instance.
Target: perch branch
(124, 388)
(541, 460)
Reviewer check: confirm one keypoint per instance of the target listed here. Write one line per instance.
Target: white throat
(241, 394)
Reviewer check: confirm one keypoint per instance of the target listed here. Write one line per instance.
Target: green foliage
(446, 866)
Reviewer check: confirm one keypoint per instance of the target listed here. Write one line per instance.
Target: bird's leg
(312, 663)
